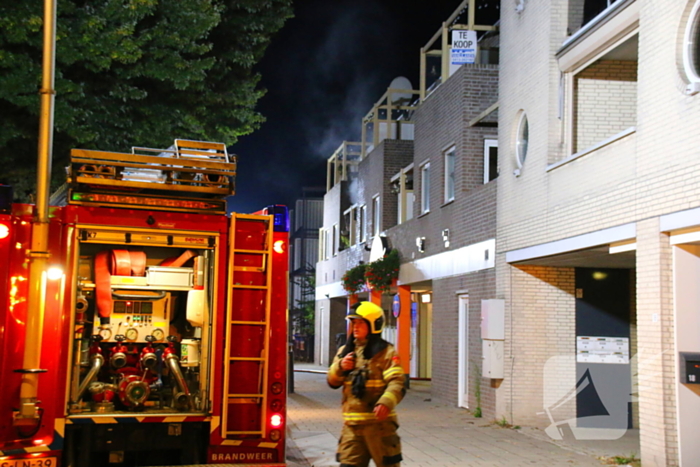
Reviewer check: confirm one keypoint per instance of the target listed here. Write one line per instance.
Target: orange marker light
(278, 246)
(54, 273)
(4, 231)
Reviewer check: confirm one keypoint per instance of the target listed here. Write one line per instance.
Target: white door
(463, 386)
(415, 344)
(322, 354)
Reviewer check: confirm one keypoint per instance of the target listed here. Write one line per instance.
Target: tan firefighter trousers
(378, 441)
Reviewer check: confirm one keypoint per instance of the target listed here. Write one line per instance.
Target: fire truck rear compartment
(138, 346)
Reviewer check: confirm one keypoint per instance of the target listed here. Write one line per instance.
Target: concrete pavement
(433, 433)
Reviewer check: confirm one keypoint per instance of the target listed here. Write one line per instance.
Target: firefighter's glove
(381, 411)
(348, 362)
(359, 378)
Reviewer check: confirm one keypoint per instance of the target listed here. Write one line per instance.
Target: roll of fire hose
(88, 170)
(216, 180)
(118, 263)
(197, 303)
(97, 171)
(176, 262)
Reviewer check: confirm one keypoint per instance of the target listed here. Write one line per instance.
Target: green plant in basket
(382, 273)
(354, 279)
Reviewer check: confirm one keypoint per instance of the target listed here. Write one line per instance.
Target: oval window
(691, 47)
(521, 141)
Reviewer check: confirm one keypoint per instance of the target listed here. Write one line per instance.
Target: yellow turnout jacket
(384, 384)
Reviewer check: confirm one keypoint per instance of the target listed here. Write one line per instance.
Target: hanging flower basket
(354, 279)
(381, 274)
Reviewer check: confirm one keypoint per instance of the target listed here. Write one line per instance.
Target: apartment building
(598, 221)
(422, 181)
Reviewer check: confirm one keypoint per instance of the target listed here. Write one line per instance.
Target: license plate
(36, 462)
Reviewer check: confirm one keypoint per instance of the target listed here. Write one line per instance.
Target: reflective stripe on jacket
(384, 385)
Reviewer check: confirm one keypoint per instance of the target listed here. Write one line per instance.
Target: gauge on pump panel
(105, 333)
(158, 334)
(132, 334)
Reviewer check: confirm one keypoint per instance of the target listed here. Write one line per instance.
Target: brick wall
(442, 123)
(479, 286)
(374, 173)
(540, 343)
(656, 351)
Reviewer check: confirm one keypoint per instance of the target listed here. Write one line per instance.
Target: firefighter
(368, 369)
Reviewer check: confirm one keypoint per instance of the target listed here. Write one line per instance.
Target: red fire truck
(163, 339)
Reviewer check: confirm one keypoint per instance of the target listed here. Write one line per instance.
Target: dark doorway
(603, 311)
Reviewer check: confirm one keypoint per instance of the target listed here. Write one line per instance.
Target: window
(363, 223)
(402, 187)
(490, 159)
(691, 50)
(521, 140)
(348, 235)
(450, 175)
(376, 215)
(335, 240)
(321, 244)
(425, 188)
(329, 243)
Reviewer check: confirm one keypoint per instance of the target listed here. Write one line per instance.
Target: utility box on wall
(493, 330)
(493, 319)
(493, 359)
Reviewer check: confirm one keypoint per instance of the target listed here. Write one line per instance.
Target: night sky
(323, 71)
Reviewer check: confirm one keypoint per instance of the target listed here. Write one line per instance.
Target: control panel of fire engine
(137, 314)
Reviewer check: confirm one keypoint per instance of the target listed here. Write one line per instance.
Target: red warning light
(276, 420)
(4, 231)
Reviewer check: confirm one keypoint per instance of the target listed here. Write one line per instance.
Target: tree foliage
(132, 72)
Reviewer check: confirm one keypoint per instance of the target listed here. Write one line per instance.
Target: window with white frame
(691, 50)
(335, 240)
(376, 215)
(425, 188)
(349, 232)
(363, 223)
(522, 138)
(449, 162)
(322, 244)
(490, 159)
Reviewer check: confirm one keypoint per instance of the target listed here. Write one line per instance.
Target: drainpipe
(38, 255)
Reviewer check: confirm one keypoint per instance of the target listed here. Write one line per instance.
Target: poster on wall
(463, 49)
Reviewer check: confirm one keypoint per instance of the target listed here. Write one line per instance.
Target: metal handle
(122, 296)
